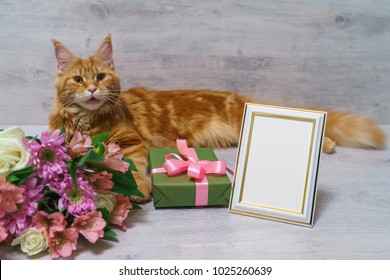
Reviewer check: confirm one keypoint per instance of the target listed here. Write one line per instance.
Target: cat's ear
(104, 52)
(64, 57)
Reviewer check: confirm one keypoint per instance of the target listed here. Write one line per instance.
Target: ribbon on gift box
(195, 168)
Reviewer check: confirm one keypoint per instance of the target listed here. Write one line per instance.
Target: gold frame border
(273, 218)
(267, 115)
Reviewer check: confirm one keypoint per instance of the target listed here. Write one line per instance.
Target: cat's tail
(351, 130)
(347, 129)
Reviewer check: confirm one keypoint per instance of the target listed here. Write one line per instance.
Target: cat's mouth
(92, 103)
(93, 100)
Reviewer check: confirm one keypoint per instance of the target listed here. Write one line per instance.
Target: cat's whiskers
(114, 100)
(67, 101)
(112, 90)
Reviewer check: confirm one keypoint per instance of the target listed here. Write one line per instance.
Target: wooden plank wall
(330, 53)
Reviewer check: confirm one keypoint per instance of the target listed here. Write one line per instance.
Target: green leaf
(72, 171)
(135, 206)
(13, 179)
(130, 175)
(109, 234)
(100, 149)
(120, 189)
(90, 158)
(36, 138)
(105, 213)
(125, 184)
(62, 130)
(43, 205)
(131, 162)
(51, 194)
(100, 138)
(69, 219)
(49, 202)
(20, 176)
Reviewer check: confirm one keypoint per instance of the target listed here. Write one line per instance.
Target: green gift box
(180, 190)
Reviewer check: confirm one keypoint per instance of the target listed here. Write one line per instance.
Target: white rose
(32, 241)
(13, 153)
(107, 201)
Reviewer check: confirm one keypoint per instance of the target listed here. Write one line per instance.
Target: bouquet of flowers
(52, 191)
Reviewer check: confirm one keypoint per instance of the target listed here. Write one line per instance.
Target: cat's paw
(139, 199)
(144, 187)
(329, 146)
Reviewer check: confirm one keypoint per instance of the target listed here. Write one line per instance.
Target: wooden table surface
(352, 221)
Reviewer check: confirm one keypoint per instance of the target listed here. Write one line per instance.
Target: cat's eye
(100, 77)
(78, 79)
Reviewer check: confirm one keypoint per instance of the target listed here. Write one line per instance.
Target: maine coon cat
(89, 99)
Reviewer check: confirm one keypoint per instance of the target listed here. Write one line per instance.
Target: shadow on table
(324, 198)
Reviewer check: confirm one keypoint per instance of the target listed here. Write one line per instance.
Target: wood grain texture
(352, 221)
(327, 53)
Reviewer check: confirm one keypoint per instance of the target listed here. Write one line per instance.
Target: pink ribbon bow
(196, 169)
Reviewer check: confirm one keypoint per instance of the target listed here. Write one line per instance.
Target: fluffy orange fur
(89, 99)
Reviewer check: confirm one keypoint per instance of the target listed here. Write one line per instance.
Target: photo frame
(278, 163)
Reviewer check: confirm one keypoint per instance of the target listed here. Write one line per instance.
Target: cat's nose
(92, 89)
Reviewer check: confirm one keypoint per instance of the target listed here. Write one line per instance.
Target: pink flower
(90, 226)
(113, 150)
(63, 243)
(62, 240)
(101, 181)
(79, 145)
(3, 233)
(21, 219)
(10, 196)
(113, 158)
(52, 222)
(34, 192)
(49, 156)
(77, 201)
(120, 211)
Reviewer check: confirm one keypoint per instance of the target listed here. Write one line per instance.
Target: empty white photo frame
(277, 163)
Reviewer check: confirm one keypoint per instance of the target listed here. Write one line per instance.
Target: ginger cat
(89, 99)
